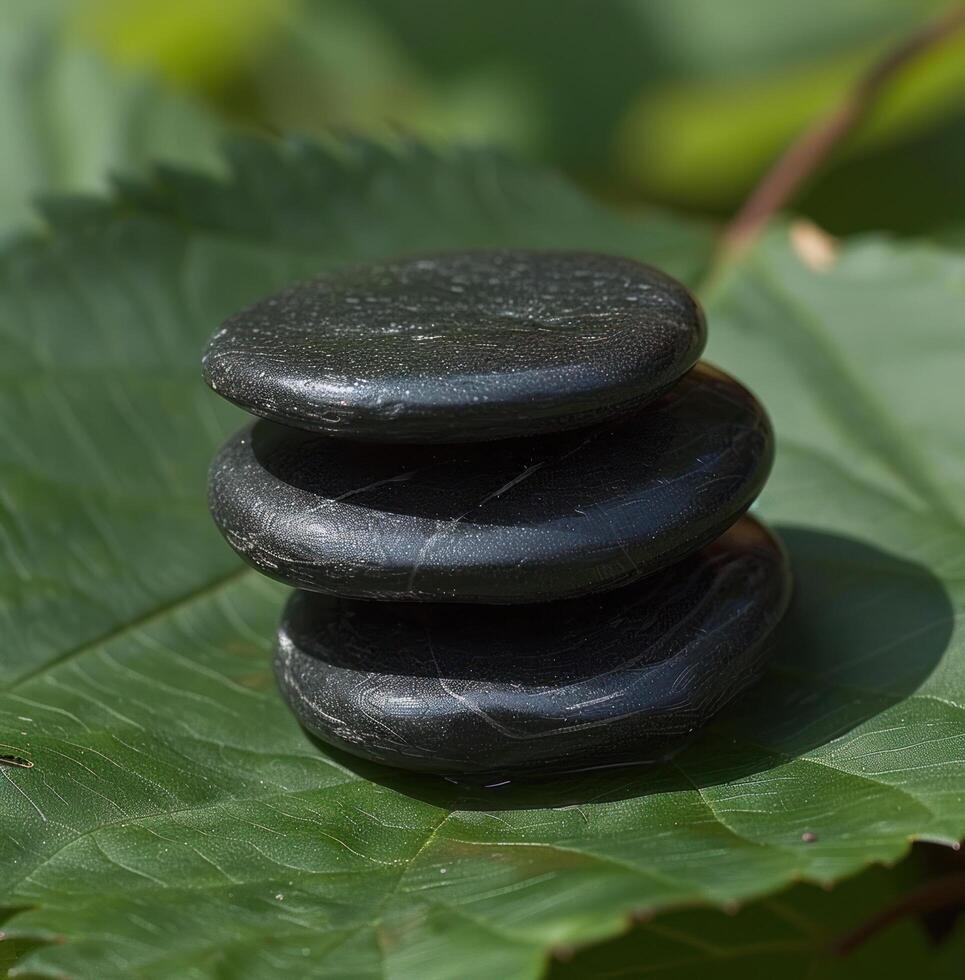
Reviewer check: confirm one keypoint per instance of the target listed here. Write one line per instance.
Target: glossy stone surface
(518, 521)
(627, 676)
(460, 347)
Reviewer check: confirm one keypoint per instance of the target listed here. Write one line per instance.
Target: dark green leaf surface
(794, 935)
(177, 823)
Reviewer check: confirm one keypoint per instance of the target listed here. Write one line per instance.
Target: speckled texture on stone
(628, 676)
(460, 347)
(518, 521)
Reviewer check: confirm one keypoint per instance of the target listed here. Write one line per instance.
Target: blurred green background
(675, 102)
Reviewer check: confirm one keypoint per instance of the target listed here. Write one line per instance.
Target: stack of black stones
(512, 503)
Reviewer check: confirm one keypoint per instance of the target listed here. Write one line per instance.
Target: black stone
(460, 347)
(627, 676)
(517, 521)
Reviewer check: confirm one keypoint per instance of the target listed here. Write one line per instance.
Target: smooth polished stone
(628, 676)
(460, 347)
(518, 521)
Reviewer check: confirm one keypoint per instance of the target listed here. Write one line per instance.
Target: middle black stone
(524, 520)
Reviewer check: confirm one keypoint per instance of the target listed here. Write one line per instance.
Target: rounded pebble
(459, 347)
(624, 677)
(521, 521)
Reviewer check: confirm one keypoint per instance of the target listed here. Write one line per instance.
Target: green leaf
(794, 934)
(176, 820)
(68, 120)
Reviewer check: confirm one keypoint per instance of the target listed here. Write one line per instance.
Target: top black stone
(456, 347)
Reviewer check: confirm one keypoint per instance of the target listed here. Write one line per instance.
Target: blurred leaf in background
(687, 103)
(69, 120)
(195, 42)
(682, 104)
(702, 139)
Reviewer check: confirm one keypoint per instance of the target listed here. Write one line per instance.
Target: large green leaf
(178, 823)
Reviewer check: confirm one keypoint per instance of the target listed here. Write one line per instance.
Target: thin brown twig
(779, 184)
(938, 894)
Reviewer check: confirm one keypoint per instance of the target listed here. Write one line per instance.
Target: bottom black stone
(623, 677)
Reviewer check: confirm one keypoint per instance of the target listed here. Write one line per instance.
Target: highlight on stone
(443, 434)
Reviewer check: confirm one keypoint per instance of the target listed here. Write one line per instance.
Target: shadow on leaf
(864, 630)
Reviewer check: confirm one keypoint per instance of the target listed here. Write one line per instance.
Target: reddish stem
(806, 154)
